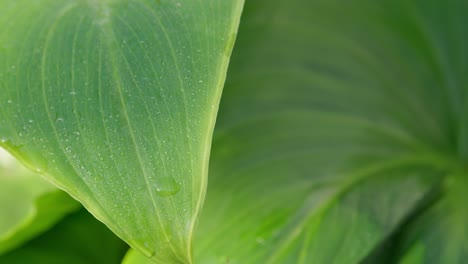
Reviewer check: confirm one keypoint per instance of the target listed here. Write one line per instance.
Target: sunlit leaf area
(233, 132)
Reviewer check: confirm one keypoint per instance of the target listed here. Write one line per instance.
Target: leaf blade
(122, 96)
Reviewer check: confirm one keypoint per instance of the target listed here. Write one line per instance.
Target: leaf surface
(114, 101)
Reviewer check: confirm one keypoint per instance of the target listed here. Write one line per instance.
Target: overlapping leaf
(28, 204)
(115, 101)
(78, 239)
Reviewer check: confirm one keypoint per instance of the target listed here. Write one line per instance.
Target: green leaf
(78, 239)
(115, 101)
(135, 257)
(28, 204)
(337, 120)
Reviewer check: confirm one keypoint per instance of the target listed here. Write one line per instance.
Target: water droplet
(167, 186)
(260, 240)
(145, 247)
(10, 101)
(72, 93)
(59, 119)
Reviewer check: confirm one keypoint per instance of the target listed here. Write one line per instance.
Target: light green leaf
(78, 239)
(28, 204)
(135, 257)
(115, 102)
(337, 121)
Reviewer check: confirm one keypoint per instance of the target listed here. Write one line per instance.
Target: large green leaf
(338, 120)
(78, 239)
(29, 205)
(115, 101)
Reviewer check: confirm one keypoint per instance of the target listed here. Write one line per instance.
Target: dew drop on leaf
(146, 249)
(167, 186)
(260, 240)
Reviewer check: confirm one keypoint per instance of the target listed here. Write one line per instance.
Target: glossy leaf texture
(77, 239)
(29, 205)
(338, 120)
(114, 101)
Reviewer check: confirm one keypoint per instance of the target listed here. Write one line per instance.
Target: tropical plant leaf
(29, 205)
(115, 101)
(78, 239)
(338, 120)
